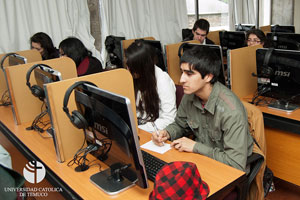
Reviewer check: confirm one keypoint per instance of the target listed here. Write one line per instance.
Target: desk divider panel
(265, 29)
(242, 65)
(31, 55)
(173, 60)
(214, 36)
(68, 139)
(26, 106)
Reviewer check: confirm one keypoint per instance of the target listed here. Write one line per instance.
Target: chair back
(179, 94)
(257, 161)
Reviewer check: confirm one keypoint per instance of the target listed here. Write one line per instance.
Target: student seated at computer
(86, 63)
(43, 44)
(212, 112)
(200, 31)
(154, 89)
(256, 37)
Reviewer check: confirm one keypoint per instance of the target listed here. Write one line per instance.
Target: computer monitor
(283, 28)
(244, 27)
(278, 74)
(44, 75)
(289, 41)
(16, 59)
(159, 53)
(216, 48)
(110, 116)
(13, 59)
(232, 40)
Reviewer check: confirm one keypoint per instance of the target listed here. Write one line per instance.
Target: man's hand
(160, 137)
(183, 144)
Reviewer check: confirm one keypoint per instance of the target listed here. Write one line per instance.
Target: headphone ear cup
(78, 120)
(37, 91)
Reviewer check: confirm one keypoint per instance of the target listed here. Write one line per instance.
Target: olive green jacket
(220, 127)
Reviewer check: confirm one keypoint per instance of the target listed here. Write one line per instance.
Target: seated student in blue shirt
(214, 114)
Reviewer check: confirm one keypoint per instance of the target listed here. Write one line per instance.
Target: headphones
(181, 48)
(3, 59)
(267, 70)
(76, 117)
(36, 90)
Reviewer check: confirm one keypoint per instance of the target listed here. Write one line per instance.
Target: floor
(284, 191)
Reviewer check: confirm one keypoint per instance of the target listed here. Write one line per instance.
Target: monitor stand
(283, 106)
(111, 180)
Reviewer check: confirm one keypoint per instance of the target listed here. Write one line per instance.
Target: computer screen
(290, 41)
(283, 28)
(159, 53)
(279, 74)
(232, 40)
(216, 48)
(110, 117)
(244, 27)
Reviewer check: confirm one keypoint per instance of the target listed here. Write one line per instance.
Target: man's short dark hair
(202, 24)
(204, 60)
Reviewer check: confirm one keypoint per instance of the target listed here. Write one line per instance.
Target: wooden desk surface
(216, 174)
(295, 115)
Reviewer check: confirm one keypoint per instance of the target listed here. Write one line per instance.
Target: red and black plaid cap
(179, 180)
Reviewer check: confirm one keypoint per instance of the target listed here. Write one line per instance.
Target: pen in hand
(156, 129)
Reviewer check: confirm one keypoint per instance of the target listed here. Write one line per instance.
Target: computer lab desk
(76, 185)
(282, 131)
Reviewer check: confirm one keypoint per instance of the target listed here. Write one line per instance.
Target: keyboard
(152, 165)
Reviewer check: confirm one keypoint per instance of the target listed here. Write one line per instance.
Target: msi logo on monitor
(101, 128)
(282, 73)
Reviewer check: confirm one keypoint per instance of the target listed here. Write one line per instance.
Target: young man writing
(211, 111)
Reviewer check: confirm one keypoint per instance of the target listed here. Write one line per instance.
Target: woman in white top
(154, 89)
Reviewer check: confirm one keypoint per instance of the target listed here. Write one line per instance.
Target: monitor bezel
(137, 158)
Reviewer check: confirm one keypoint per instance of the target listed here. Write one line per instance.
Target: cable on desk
(80, 156)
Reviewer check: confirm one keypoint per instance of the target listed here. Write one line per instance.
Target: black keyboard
(152, 164)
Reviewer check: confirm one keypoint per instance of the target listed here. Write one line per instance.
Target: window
(215, 11)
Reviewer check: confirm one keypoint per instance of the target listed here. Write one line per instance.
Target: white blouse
(167, 95)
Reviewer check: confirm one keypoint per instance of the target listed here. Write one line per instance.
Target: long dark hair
(140, 62)
(46, 43)
(74, 49)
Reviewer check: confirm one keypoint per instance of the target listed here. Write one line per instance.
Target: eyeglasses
(254, 41)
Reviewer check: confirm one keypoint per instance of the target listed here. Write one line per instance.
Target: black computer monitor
(232, 40)
(278, 74)
(283, 28)
(160, 62)
(244, 27)
(216, 48)
(289, 41)
(110, 117)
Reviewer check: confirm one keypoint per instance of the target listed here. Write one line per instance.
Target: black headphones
(36, 90)
(267, 70)
(76, 117)
(181, 48)
(3, 59)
